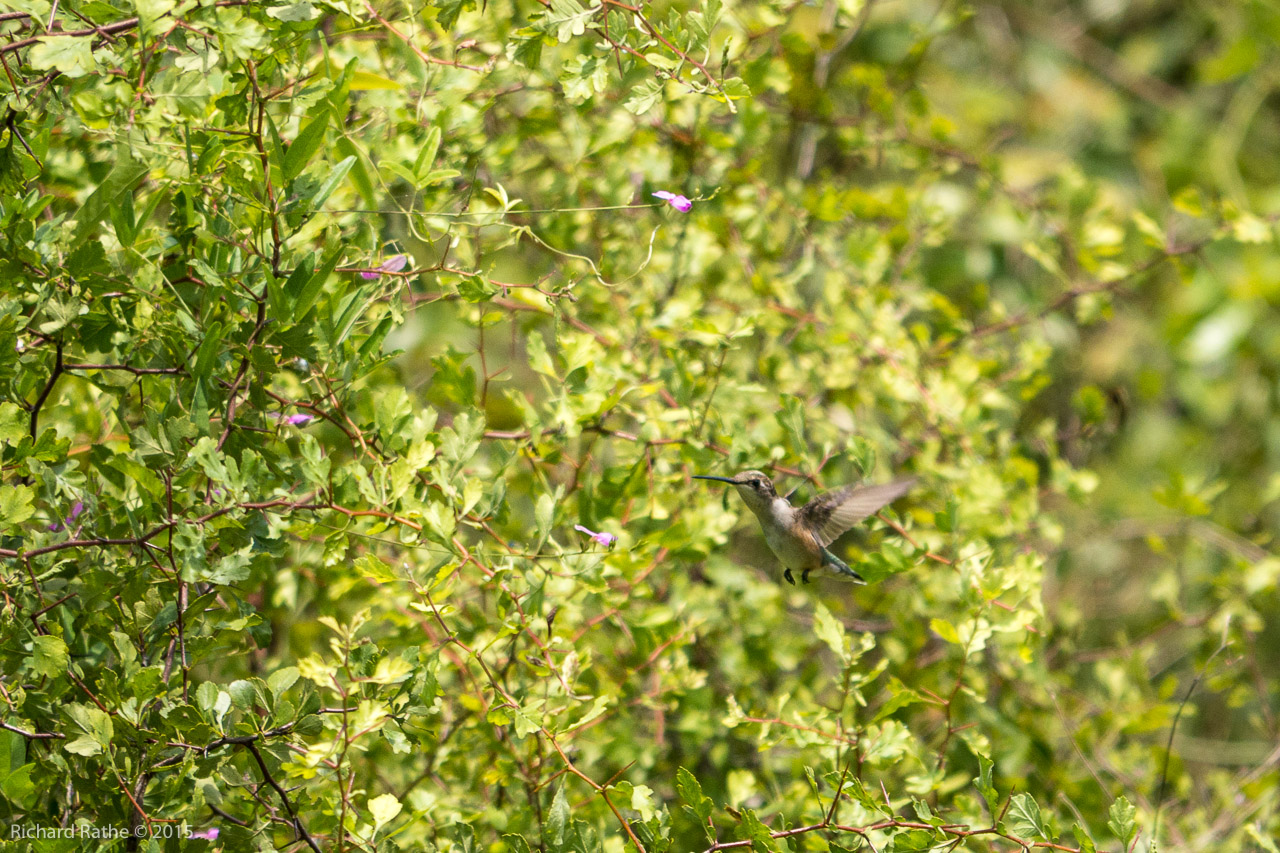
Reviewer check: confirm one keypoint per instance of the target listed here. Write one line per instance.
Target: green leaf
(1265, 843)
(15, 505)
(945, 630)
(791, 417)
(95, 725)
(297, 279)
(427, 154)
(72, 55)
(304, 147)
(568, 18)
(985, 786)
(475, 288)
(829, 631)
(295, 12)
(599, 706)
(242, 694)
(736, 88)
(365, 81)
(1024, 819)
(331, 181)
(948, 520)
(924, 812)
(206, 695)
(517, 843)
(13, 426)
(49, 656)
(1122, 821)
(1083, 840)
(281, 680)
(123, 177)
(527, 722)
(359, 172)
(18, 787)
(13, 751)
(637, 797)
(383, 809)
(690, 791)
(539, 358)
(644, 97)
(450, 10)
(84, 745)
(150, 11)
(391, 670)
(311, 291)
(208, 352)
(917, 841)
(525, 48)
(544, 514)
(122, 219)
(557, 820)
(901, 697)
(750, 828)
(464, 837)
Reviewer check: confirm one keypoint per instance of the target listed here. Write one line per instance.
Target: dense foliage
(339, 339)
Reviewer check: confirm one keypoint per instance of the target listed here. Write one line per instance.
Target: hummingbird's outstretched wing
(832, 513)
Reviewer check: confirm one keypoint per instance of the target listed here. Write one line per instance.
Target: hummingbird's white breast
(793, 545)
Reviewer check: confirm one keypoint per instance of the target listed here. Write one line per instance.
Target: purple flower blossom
(604, 539)
(679, 202)
(209, 834)
(76, 509)
(395, 263)
(296, 420)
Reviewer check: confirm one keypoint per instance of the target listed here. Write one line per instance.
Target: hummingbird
(800, 536)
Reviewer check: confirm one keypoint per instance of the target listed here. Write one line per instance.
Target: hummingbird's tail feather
(841, 567)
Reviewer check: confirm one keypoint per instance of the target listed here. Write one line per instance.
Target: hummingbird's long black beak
(709, 477)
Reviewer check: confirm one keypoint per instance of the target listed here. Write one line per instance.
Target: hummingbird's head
(755, 487)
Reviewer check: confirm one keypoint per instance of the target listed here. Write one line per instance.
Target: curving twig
(298, 827)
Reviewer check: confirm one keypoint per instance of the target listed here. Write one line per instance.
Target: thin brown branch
(425, 57)
(298, 827)
(48, 389)
(128, 368)
(653, 31)
(144, 538)
(104, 30)
(32, 735)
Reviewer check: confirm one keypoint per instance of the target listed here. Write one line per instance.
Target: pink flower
(395, 263)
(209, 834)
(679, 202)
(604, 539)
(296, 420)
(76, 509)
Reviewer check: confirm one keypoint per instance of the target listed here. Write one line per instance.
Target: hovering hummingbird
(800, 536)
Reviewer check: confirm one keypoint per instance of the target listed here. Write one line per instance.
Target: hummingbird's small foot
(789, 577)
(804, 576)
